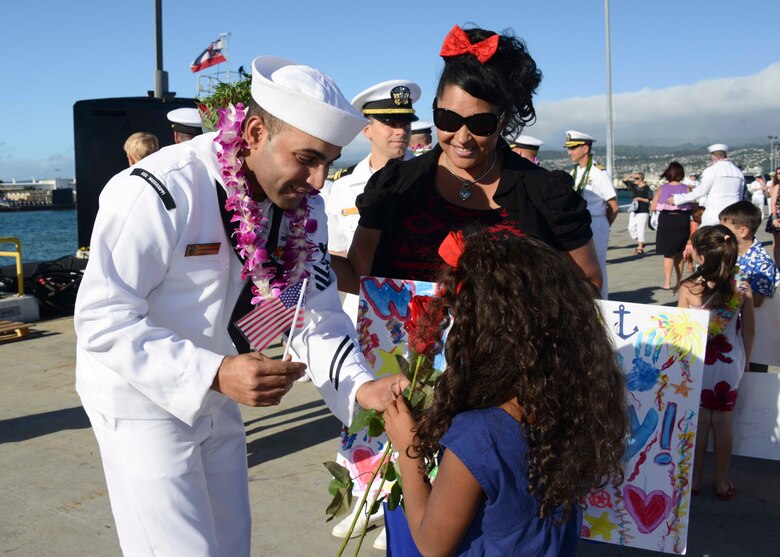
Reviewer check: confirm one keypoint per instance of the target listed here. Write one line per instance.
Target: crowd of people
(233, 223)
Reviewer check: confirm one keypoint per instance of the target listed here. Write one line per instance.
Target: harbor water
(45, 235)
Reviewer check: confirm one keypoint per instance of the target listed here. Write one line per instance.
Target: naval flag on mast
(209, 57)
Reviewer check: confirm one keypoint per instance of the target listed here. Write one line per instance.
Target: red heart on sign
(647, 510)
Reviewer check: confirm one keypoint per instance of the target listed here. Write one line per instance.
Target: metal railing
(17, 254)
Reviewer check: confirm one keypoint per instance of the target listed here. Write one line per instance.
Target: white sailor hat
(306, 99)
(575, 139)
(186, 120)
(422, 126)
(389, 101)
(525, 142)
(718, 147)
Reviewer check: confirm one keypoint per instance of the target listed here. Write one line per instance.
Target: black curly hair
(507, 80)
(525, 326)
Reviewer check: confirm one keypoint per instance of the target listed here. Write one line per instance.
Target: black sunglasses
(485, 123)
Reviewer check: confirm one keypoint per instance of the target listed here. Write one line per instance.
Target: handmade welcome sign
(661, 351)
(383, 309)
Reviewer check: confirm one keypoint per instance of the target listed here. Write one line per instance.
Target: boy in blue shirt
(755, 265)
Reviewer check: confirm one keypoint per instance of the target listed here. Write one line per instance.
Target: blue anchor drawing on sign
(621, 312)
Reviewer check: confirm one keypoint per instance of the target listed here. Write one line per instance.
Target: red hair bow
(457, 42)
(452, 248)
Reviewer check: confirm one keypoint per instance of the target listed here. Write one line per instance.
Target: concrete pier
(53, 499)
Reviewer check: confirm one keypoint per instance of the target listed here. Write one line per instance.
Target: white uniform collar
(205, 149)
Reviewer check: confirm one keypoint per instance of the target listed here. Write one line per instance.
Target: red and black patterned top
(401, 201)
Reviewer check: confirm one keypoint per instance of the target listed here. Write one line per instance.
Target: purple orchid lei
(249, 215)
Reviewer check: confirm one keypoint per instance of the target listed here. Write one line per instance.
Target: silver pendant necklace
(465, 191)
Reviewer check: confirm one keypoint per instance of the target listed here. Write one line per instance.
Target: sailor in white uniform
(527, 146)
(390, 112)
(758, 193)
(594, 184)
(422, 137)
(722, 182)
(186, 124)
(389, 107)
(157, 366)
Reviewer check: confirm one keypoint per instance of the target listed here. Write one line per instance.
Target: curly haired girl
(715, 288)
(529, 417)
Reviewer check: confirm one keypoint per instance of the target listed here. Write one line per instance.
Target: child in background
(528, 418)
(139, 146)
(755, 266)
(714, 287)
(695, 224)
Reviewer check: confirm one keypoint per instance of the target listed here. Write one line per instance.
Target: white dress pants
(177, 490)
(637, 225)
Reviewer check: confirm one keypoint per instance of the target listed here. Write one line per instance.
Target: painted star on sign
(601, 526)
(681, 389)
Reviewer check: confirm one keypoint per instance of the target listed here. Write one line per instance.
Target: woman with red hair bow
(471, 178)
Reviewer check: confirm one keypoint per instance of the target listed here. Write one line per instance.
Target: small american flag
(271, 318)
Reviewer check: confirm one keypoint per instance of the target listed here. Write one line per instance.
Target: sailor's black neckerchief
(244, 303)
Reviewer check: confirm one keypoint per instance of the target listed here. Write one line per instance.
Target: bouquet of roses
(425, 330)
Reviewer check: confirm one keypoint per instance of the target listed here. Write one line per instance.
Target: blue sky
(681, 70)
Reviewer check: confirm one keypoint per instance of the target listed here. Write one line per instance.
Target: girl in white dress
(714, 287)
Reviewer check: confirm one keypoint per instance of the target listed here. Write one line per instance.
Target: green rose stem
(388, 448)
(363, 503)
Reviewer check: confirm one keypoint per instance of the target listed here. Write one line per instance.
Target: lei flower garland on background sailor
(252, 229)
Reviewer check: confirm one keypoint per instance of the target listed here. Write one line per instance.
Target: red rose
(424, 327)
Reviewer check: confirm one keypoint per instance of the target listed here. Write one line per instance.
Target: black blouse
(401, 200)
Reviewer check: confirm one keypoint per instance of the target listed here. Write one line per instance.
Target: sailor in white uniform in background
(422, 137)
(157, 366)
(389, 107)
(527, 146)
(758, 193)
(186, 124)
(594, 184)
(722, 182)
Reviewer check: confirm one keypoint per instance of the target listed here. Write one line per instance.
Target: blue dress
(491, 444)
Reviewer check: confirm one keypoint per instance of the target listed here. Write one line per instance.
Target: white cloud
(729, 110)
(734, 111)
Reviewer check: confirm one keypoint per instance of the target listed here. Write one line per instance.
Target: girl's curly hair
(525, 326)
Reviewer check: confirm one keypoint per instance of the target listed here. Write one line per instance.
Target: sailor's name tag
(349, 211)
(194, 250)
